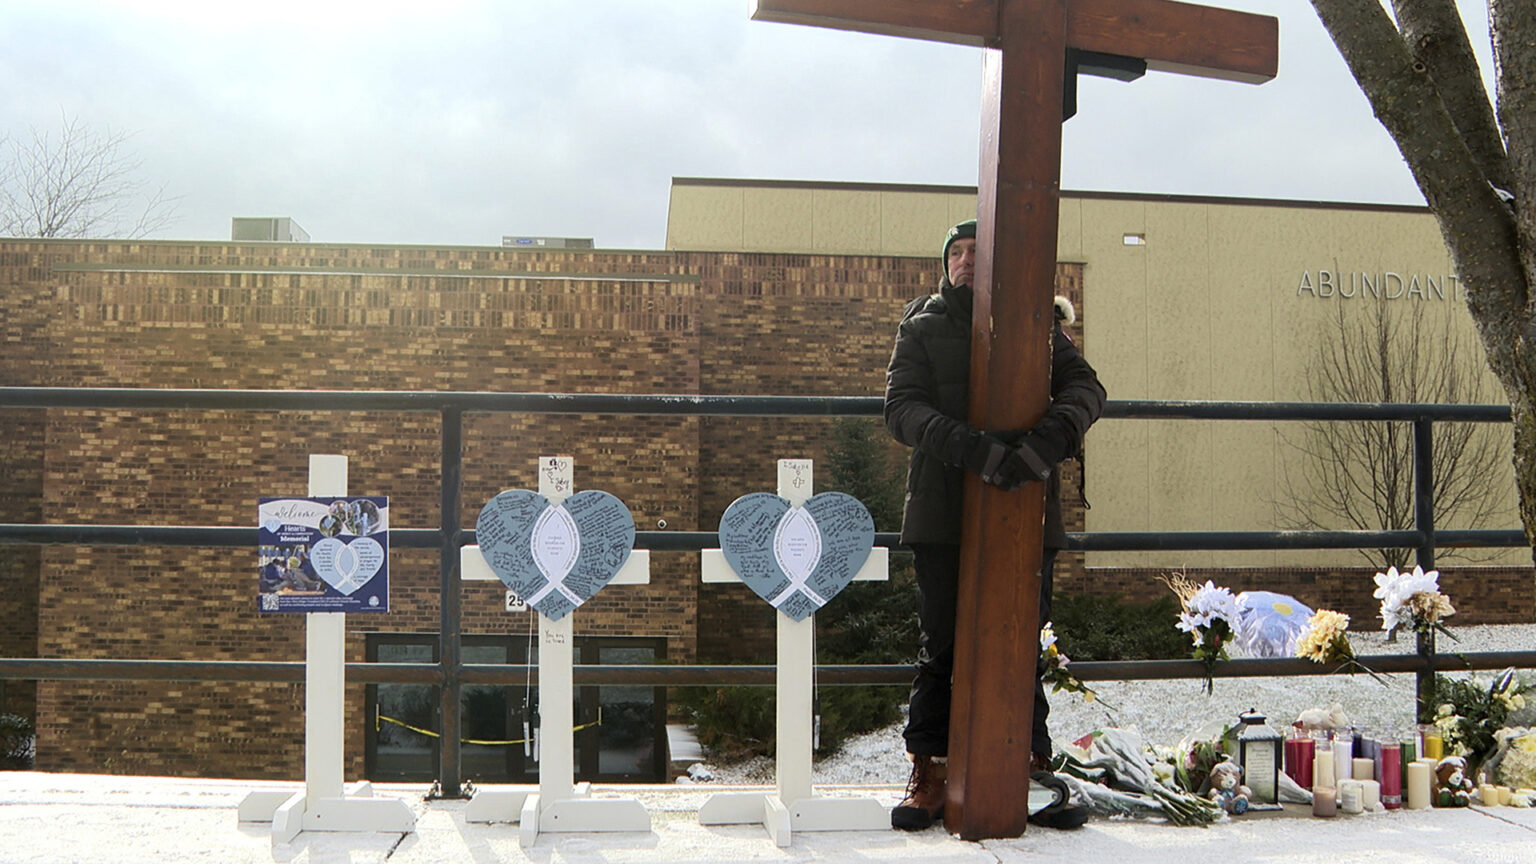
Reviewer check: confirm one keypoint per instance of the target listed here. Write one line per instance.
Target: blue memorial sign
(796, 558)
(326, 554)
(555, 556)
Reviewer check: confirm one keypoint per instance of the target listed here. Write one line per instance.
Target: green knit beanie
(964, 229)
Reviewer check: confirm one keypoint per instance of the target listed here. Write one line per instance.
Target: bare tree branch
(1437, 38)
(1360, 475)
(1415, 90)
(1514, 49)
(1476, 223)
(77, 183)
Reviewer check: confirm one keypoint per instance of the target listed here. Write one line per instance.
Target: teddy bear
(1227, 789)
(1452, 786)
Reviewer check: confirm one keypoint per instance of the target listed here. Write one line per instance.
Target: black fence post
(450, 659)
(1424, 524)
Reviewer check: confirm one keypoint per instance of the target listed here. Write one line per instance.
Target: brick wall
(23, 339)
(227, 315)
(783, 325)
(216, 316)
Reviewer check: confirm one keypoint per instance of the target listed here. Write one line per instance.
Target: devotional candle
(1292, 754)
(1324, 800)
(1434, 743)
(1304, 759)
(1370, 795)
(1365, 769)
(1322, 766)
(1383, 737)
(1410, 753)
(1343, 759)
(1351, 796)
(1418, 785)
(1391, 775)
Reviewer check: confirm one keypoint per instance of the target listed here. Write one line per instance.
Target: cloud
(458, 122)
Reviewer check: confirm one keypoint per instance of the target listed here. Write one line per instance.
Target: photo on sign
(323, 554)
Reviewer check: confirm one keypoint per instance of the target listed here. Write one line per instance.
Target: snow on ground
(1169, 711)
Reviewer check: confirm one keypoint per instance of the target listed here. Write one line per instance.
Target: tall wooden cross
(1036, 49)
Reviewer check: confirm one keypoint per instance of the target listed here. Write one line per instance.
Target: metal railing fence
(450, 673)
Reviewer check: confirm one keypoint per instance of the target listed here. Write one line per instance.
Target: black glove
(995, 462)
(1040, 453)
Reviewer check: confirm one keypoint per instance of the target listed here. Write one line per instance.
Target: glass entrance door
(620, 731)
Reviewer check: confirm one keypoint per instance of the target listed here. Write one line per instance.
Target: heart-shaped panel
(555, 556)
(346, 566)
(796, 558)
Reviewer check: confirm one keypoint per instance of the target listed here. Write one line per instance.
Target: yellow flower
(1325, 637)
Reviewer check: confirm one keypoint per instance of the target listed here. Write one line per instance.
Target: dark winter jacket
(927, 388)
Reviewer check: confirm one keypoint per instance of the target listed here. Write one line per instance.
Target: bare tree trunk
(1428, 94)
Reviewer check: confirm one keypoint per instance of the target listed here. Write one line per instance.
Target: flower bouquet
(1471, 714)
(1514, 763)
(1325, 639)
(1115, 772)
(1208, 616)
(1413, 599)
(1053, 665)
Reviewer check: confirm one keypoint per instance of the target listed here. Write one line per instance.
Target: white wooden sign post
(325, 805)
(557, 803)
(794, 804)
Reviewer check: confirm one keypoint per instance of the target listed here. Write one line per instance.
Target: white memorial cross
(325, 805)
(557, 804)
(794, 804)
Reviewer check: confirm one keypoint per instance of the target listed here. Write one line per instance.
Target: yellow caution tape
(430, 734)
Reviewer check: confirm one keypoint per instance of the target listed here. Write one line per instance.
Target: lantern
(1259, 751)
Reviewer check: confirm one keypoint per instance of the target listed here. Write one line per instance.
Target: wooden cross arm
(1170, 36)
(1179, 37)
(962, 22)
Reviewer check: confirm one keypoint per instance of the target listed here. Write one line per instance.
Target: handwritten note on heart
(796, 558)
(555, 557)
(346, 566)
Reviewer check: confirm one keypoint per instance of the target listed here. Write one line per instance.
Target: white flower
(1394, 589)
(1047, 637)
(1210, 604)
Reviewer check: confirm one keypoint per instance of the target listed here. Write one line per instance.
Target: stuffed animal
(1452, 786)
(1227, 788)
(1331, 720)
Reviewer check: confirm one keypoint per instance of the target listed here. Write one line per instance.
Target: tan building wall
(699, 318)
(1184, 298)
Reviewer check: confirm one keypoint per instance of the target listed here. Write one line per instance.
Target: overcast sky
(458, 121)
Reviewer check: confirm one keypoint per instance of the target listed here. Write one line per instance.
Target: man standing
(926, 400)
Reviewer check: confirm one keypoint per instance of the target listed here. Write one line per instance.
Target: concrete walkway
(64, 818)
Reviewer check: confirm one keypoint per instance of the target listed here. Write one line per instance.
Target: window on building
(621, 730)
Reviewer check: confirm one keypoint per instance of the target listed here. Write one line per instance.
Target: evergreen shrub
(1092, 627)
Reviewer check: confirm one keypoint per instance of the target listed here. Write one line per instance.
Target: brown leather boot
(924, 801)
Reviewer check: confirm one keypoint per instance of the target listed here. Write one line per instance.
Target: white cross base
(557, 803)
(324, 805)
(794, 804)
